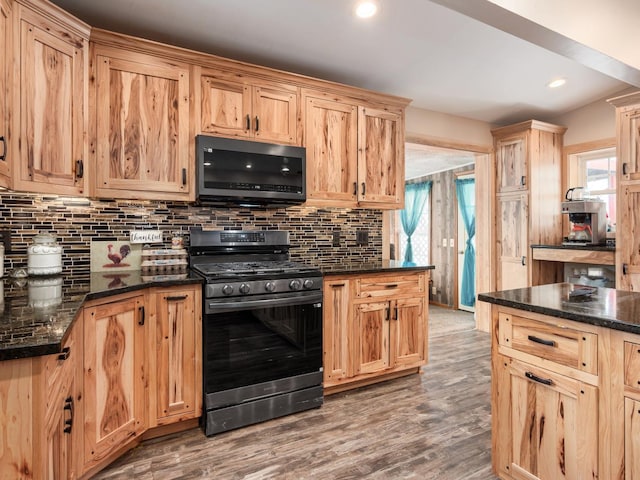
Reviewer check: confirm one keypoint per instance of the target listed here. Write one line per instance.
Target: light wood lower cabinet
(115, 376)
(175, 362)
(375, 326)
(550, 397)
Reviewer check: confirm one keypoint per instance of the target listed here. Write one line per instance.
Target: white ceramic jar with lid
(44, 256)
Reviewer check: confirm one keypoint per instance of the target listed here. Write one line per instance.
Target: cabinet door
(408, 332)
(59, 453)
(225, 107)
(275, 114)
(335, 312)
(511, 164)
(114, 376)
(5, 92)
(142, 114)
(331, 139)
(554, 425)
(53, 82)
(512, 248)
(629, 135)
(628, 235)
(177, 355)
(380, 158)
(371, 337)
(631, 439)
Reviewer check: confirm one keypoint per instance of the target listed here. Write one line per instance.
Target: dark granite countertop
(605, 307)
(600, 248)
(383, 266)
(37, 312)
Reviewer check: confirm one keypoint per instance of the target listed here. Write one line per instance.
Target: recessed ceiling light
(556, 83)
(366, 9)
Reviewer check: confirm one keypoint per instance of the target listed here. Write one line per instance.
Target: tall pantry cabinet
(528, 158)
(628, 191)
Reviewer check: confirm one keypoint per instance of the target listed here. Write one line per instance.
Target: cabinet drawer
(632, 365)
(53, 366)
(389, 285)
(566, 346)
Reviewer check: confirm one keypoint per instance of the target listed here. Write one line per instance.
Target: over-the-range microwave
(242, 172)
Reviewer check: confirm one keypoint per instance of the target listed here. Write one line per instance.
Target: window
(420, 240)
(597, 170)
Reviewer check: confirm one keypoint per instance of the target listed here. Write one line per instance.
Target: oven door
(256, 347)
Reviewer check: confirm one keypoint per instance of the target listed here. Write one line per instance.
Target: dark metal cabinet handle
(79, 169)
(523, 180)
(355, 188)
(141, 312)
(386, 313)
(338, 285)
(4, 148)
(535, 378)
(248, 122)
(184, 176)
(176, 298)
(391, 285)
(548, 343)
(625, 268)
(257, 123)
(395, 313)
(624, 168)
(68, 405)
(364, 189)
(66, 351)
(524, 260)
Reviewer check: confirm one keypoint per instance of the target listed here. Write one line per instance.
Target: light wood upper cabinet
(244, 107)
(5, 91)
(380, 158)
(175, 362)
(142, 127)
(355, 153)
(511, 163)
(331, 140)
(628, 192)
(528, 158)
(115, 335)
(50, 113)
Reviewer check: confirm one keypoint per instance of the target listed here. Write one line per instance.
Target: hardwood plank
(435, 425)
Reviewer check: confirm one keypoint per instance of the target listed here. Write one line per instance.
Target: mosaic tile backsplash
(76, 222)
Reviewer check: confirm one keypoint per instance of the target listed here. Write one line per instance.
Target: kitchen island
(565, 382)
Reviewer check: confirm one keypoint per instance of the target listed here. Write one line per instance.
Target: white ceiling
(444, 60)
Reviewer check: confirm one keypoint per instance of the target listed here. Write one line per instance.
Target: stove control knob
(227, 289)
(245, 288)
(295, 284)
(269, 286)
(308, 284)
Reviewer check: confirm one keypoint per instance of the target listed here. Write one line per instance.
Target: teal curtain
(466, 192)
(415, 198)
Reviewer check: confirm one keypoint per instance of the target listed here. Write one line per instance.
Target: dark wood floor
(435, 425)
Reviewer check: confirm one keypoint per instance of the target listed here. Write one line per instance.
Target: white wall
(595, 121)
(420, 123)
(609, 26)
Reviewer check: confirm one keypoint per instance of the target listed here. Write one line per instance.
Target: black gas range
(262, 328)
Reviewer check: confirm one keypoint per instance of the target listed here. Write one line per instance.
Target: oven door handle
(243, 304)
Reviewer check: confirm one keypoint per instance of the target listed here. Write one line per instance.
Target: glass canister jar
(44, 256)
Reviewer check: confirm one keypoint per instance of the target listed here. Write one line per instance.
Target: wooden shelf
(574, 255)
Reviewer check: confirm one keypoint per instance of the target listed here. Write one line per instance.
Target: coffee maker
(587, 222)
